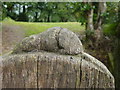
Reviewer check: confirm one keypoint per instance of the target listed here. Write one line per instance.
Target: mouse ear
(70, 42)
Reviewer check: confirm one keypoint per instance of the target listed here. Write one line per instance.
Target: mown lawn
(36, 27)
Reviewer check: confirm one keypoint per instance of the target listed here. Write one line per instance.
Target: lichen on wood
(54, 59)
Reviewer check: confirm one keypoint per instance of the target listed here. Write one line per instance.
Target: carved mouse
(55, 39)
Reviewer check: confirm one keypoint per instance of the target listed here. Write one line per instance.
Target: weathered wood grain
(50, 70)
(20, 71)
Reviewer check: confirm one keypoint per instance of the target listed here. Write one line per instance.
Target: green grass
(37, 27)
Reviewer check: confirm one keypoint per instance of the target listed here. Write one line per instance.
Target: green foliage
(47, 11)
(111, 16)
(109, 29)
(57, 12)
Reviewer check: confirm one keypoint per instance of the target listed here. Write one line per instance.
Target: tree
(8, 9)
(23, 15)
(98, 25)
(101, 12)
(89, 23)
(117, 52)
(95, 25)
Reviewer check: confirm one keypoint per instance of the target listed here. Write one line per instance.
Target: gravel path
(11, 35)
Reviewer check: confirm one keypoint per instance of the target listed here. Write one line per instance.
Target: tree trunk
(99, 22)
(101, 11)
(36, 16)
(48, 18)
(117, 63)
(24, 9)
(90, 19)
(19, 8)
(117, 53)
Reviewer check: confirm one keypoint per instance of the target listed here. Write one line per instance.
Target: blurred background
(97, 24)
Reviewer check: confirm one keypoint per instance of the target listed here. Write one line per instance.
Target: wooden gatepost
(38, 62)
